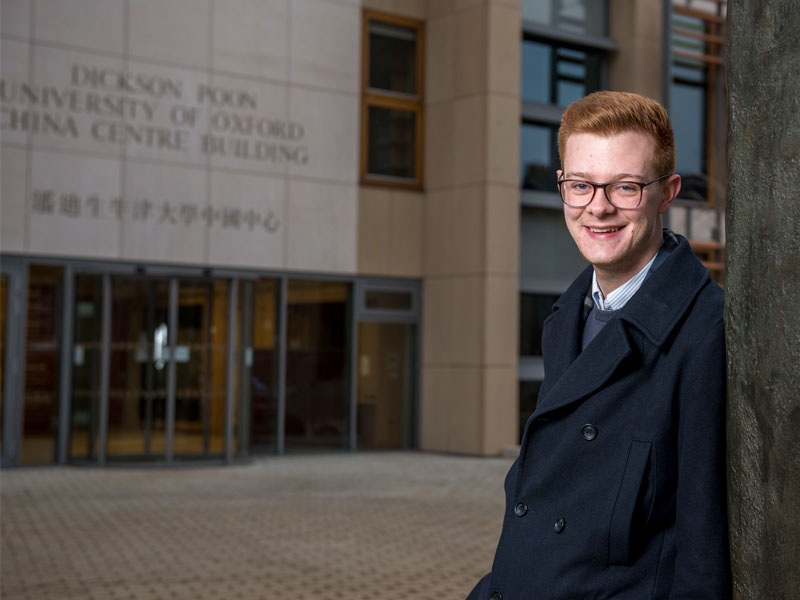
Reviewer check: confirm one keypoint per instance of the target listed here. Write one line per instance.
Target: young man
(619, 488)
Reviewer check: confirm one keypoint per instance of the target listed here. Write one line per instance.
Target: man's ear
(559, 173)
(670, 191)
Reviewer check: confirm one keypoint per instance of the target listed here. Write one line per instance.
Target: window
(555, 73)
(697, 107)
(533, 310)
(391, 119)
(697, 102)
(580, 17)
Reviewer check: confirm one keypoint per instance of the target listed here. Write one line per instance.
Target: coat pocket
(619, 547)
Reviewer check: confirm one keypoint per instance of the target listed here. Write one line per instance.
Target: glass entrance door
(201, 355)
(385, 385)
(317, 361)
(138, 378)
(259, 368)
(86, 367)
(42, 364)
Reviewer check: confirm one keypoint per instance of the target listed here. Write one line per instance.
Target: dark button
(520, 509)
(589, 431)
(496, 596)
(560, 524)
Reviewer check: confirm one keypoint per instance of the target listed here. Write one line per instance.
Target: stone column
(763, 295)
(471, 227)
(637, 28)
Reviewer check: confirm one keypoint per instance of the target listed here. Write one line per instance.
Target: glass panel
(42, 365)
(86, 361)
(547, 252)
(385, 380)
(536, 71)
(3, 308)
(539, 157)
(138, 377)
(317, 372)
(688, 121)
(687, 43)
(261, 367)
(688, 101)
(573, 16)
(528, 395)
(534, 309)
(392, 57)
(392, 136)
(387, 300)
(201, 355)
(554, 74)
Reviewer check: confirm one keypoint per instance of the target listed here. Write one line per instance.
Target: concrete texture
(357, 526)
(762, 287)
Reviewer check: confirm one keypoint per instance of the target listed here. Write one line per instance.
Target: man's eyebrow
(616, 177)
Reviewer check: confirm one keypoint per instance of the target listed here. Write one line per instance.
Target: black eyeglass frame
(603, 186)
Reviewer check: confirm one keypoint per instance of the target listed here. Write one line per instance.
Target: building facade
(233, 228)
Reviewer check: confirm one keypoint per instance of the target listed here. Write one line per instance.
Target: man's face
(619, 243)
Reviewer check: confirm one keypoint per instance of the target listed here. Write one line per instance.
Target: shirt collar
(620, 296)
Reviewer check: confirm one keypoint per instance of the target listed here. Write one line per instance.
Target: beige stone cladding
(210, 132)
(636, 27)
(471, 234)
(461, 233)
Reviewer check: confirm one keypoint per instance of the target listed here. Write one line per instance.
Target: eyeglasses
(621, 194)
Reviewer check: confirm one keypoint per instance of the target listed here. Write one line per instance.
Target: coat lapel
(589, 370)
(570, 374)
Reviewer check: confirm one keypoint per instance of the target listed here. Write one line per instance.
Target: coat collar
(667, 294)
(654, 310)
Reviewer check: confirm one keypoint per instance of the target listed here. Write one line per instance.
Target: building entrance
(385, 385)
(107, 363)
(386, 372)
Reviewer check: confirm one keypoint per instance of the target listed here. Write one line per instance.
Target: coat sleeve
(702, 567)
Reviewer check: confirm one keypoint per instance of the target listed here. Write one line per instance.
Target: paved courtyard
(361, 526)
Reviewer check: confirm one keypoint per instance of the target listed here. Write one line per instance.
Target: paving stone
(365, 526)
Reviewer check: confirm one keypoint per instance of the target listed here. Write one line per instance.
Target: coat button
(589, 432)
(520, 509)
(560, 524)
(496, 596)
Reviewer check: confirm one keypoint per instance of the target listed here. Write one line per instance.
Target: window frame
(372, 97)
(549, 114)
(715, 111)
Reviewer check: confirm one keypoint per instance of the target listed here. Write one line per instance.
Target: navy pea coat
(619, 488)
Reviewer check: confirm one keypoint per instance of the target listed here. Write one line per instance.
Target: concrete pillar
(762, 296)
(471, 227)
(637, 28)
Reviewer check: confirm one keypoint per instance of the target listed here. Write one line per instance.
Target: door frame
(410, 316)
(14, 368)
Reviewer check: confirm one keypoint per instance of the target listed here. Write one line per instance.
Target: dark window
(391, 142)
(393, 57)
(387, 300)
(553, 74)
(539, 156)
(570, 16)
(697, 103)
(558, 74)
(533, 310)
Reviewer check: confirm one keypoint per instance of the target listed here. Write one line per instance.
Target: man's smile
(603, 229)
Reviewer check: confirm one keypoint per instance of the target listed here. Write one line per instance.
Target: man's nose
(600, 204)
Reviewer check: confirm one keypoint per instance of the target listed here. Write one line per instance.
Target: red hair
(611, 113)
